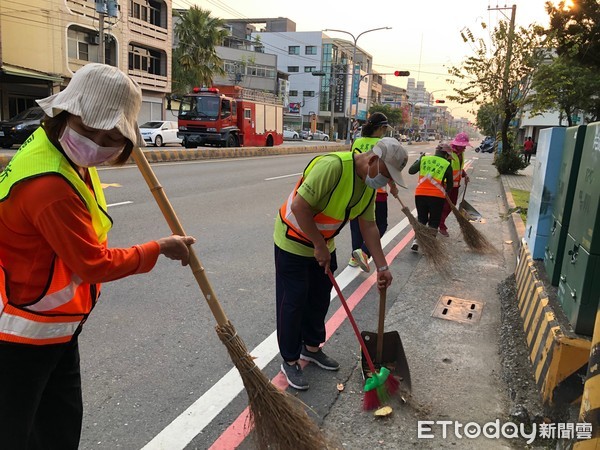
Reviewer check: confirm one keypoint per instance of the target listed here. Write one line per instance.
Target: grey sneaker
(362, 259)
(320, 359)
(294, 376)
(415, 246)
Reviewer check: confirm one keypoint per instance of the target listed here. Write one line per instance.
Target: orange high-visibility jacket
(57, 315)
(431, 175)
(331, 220)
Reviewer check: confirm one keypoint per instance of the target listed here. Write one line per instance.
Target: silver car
(319, 136)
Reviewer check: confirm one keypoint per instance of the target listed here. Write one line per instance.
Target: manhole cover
(458, 309)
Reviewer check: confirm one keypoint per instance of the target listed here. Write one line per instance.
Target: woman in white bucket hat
(54, 253)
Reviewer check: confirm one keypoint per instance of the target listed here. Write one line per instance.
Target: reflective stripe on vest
(330, 221)
(457, 168)
(66, 302)
(431, 174)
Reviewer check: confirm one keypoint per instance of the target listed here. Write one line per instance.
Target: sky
(424, 39)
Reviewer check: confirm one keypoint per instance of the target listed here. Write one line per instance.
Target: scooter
(486, 146)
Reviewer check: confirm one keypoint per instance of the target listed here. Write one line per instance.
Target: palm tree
(195, 60)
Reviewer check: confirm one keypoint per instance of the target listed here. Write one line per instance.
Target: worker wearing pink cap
(459, 144)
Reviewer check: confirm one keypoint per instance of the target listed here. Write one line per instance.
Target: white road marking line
(284, 176)
(184, 428)
(119, 204)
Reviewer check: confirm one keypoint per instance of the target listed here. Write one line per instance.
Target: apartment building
(245, 64)
(302, 53)
(43, 42)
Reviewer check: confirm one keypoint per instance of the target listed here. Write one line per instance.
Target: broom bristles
(392, 385)
(473, 238)
(371, 400)
(434, 249)
(279, 419)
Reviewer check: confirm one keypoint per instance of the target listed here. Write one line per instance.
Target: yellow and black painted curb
(590, 400)
(181, 154)
(558, 356)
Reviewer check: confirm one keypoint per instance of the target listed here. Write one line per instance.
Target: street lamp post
(448, 121)
(350, 116)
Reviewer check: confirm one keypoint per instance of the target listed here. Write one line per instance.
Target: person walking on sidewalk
(528, 149)
(333, 188)
(459, 144)
(435, 180)
(54, 253)
(372, 132)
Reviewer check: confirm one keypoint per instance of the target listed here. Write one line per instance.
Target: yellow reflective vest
(431, 174)
(338, 211)
(458, 163)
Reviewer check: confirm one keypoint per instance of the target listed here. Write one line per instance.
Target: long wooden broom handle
(175, 226)
(380, 326)
(465, 191)
(398, 198)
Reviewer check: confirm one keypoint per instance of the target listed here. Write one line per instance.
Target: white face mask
(378, 181)
(83, 151)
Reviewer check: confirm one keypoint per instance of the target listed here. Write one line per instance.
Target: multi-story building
(416, 92)
(43, 42)
(327, 96)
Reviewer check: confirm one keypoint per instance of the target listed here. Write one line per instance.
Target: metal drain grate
(458, 309)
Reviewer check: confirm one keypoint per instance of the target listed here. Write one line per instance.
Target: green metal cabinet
(555, 249)
(585, 215)
(563, 201)
(579, 287)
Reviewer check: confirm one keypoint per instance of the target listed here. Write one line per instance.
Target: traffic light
(401, 73)
(440, 101)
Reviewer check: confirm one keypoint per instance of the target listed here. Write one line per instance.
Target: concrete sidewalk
(456, 367)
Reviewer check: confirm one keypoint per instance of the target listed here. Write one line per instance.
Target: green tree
(574, 33)
(195, 60)
(488, 117)
(394, 115)
(490, 77)
(564, 86)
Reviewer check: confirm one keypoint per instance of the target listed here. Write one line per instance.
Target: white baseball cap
(103, 97)
(394, 157)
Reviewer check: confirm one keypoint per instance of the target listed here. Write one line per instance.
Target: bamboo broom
(279, 419)
(473, 238)
(434, 249)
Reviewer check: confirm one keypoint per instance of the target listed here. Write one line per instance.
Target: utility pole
(101, 51)
(511, 34)
(332, 94)
(104, 8)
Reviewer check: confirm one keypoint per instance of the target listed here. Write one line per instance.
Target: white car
(160, 132)
(290, 134)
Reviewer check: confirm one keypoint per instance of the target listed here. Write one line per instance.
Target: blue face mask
(378, 181)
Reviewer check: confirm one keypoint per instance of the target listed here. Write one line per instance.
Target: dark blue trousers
(41, 406)
(303, 292)
(381, 217)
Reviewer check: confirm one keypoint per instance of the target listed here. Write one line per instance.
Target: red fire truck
(230, 116)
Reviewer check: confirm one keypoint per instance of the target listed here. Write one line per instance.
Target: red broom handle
(354, 326)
